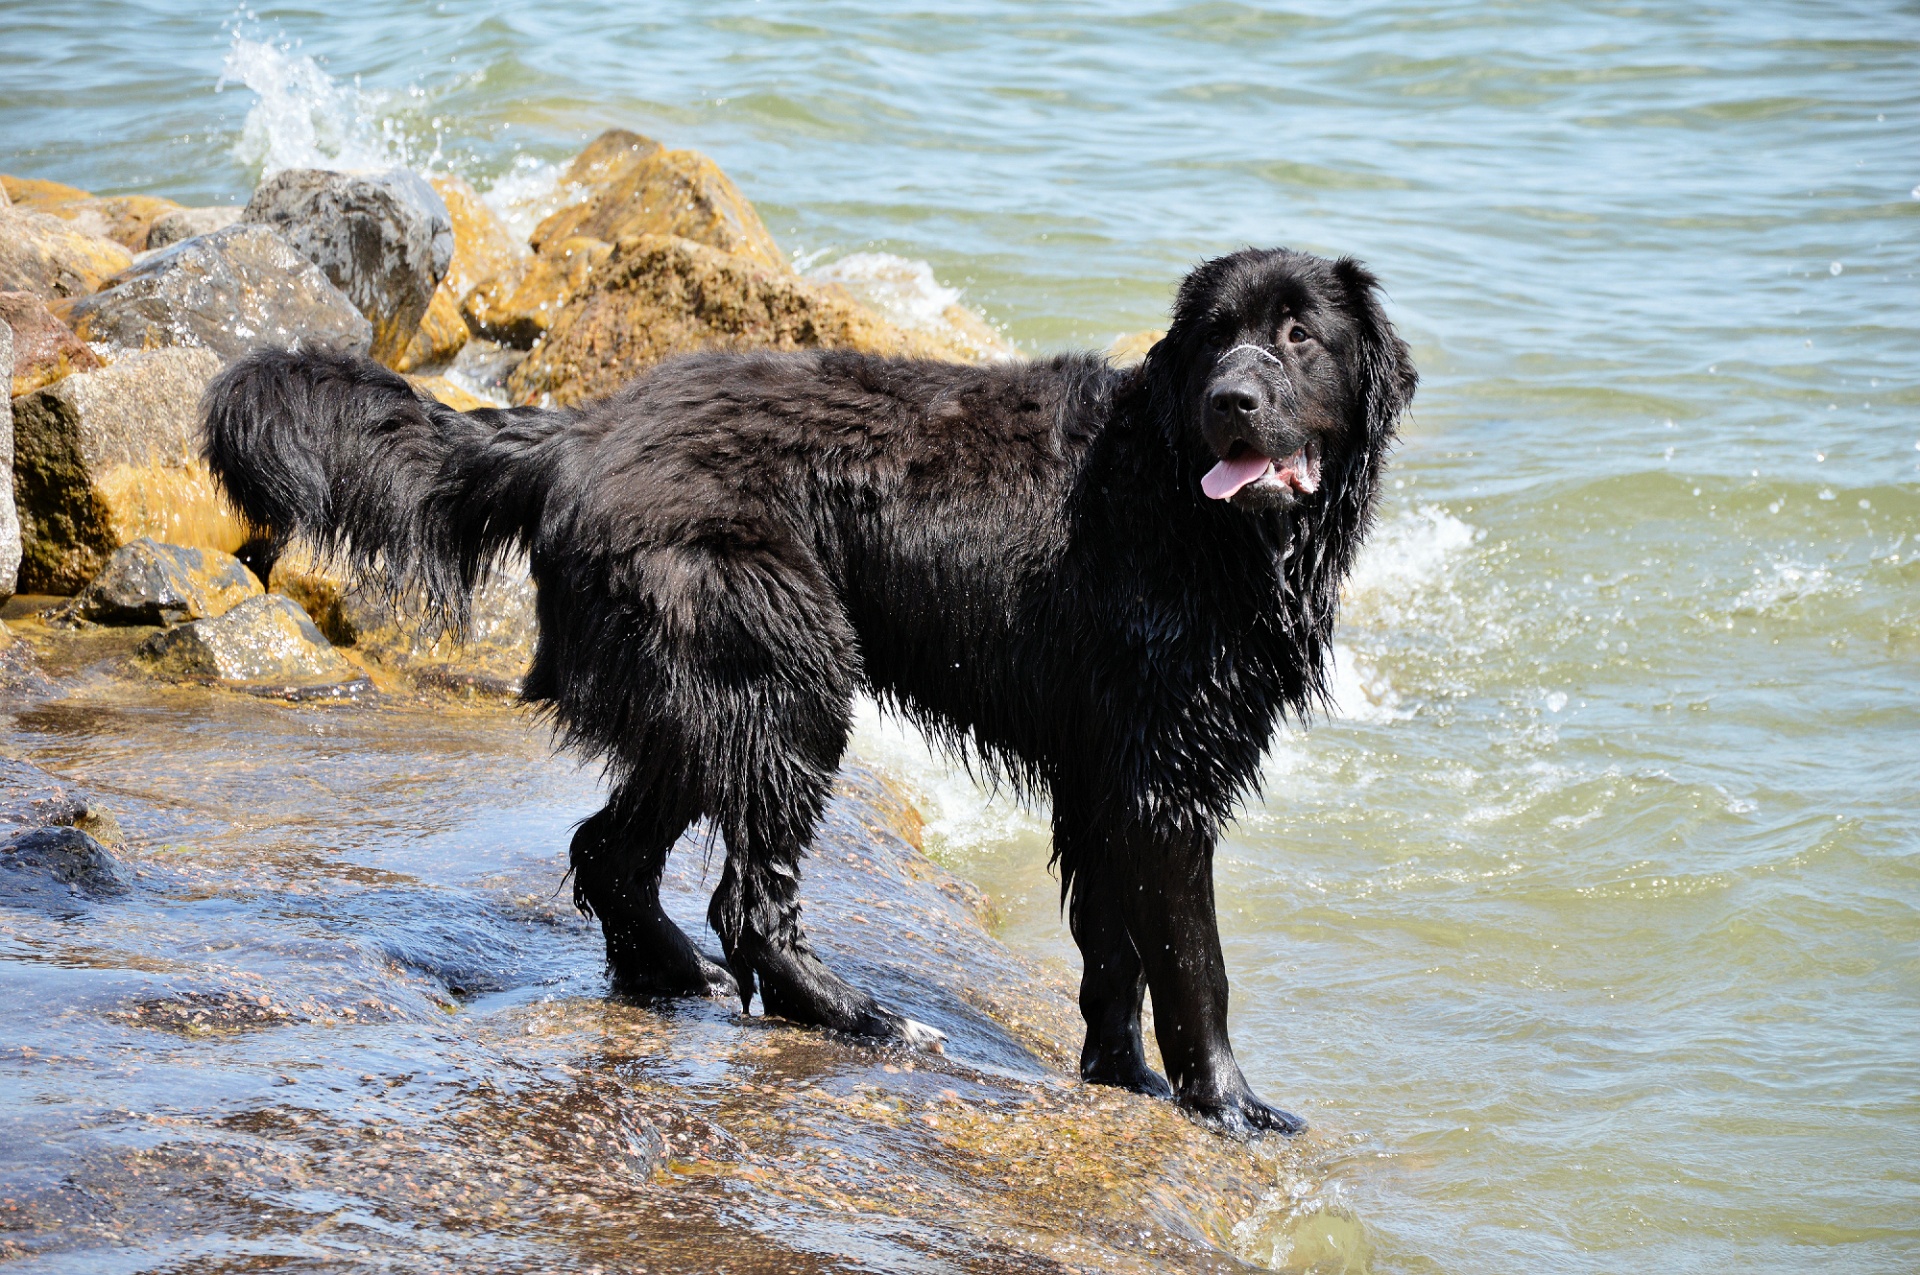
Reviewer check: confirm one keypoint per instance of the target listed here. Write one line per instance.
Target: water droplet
(1835, 268)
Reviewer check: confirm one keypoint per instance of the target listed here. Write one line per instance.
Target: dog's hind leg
(1113, 981)
(618, 857)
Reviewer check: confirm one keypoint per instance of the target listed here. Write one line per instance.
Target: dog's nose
(1236, 401)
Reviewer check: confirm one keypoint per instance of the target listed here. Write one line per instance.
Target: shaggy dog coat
(1107, 585)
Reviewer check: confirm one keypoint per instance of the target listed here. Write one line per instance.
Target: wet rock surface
(347, 1021)
(9, 517)
(638, 191)
(517, 307)
(483, 248)
(491, 657)
(44, 348)
(58, 869)
(102, 458)
(657, 296)
(228, 292)
(52, 257)
(266, 645)
(177, 224)
(384, 239)
(147, 582)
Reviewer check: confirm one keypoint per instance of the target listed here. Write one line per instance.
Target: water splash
(303, 119)
(903, 290)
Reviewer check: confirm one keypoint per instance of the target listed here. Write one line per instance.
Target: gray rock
(147, 582)
(229, 292)
(9, 517)
(385, 239)
(58, 870)
(266, 645)
(185, 223)
(103, 458)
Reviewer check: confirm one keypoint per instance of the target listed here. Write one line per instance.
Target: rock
(125, 219)
(177, 224)
(50, 257)
(658, 296)
(662, 192)
(517, 308)
(407, 639)
(32, 798)
(266, 645)
(608, 155)
(9, 517)
(148, 582)
(458, 397)
(1130, 349)
(105, 457)
(228, 292)
(55, 869)
(483, 248)
(44, 349)
(28, 191)
(385, 239)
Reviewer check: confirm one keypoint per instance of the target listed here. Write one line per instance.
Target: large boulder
(177, 224)
(266, 646)
(658, 296)
(9, 517)
(492, 657)
(148, 582)
(105, 457)
(51, 257)
(228, 292)
(636, 191)
(517, 307)
(385, 239)
(44, 349)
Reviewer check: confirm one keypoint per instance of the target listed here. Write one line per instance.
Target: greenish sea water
(1588, 921)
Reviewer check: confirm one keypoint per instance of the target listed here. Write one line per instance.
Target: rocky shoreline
(280, 866)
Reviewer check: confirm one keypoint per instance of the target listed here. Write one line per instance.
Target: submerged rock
(658, 296)
(265, 645)
(105, 457)
(44, 349)
(517, 308)
(148, 582)
(229, 292)
(637, 191)
(53, 869)
(384, 239)
(9, 517)
(178, 224)
(51, 257)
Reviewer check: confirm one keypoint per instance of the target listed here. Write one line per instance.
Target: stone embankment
(121, 309)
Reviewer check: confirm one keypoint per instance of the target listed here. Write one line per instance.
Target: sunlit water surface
(1590, 916)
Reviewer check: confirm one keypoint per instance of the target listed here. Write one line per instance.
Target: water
(1589, 921)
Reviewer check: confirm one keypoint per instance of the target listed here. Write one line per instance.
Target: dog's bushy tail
(343, 454)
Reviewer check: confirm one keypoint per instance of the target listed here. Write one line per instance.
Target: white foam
(903, 290)
(962, 815)
(303, 119)
(1362, 693)
(526, 194)
(1409, 556)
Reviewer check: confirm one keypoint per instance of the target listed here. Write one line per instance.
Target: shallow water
(1591, 916)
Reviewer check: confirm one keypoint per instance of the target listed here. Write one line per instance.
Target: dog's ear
(1387, 375)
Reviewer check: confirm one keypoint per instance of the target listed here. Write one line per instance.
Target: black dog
(1108, 585)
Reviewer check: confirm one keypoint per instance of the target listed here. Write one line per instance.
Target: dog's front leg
(1169, 909)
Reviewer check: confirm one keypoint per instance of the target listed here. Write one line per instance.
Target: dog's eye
(1297, 335)
(1217, 339)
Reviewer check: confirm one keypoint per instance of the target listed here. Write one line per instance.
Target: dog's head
(1284, 372)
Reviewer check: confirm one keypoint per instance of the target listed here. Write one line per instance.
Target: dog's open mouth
(1245, 467)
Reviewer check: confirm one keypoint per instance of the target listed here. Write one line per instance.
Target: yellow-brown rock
(659, 295)
(1131, 348)
(454, 396)
(53, 258)
(125, 219)
(442, 331)
(44, 349)
(666, 192)
(607, 155)
(516, 308)
(102, 458)
(29, 191)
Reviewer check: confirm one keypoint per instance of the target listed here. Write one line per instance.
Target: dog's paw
(1245, 1116)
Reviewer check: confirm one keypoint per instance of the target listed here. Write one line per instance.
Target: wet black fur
(1018, 557)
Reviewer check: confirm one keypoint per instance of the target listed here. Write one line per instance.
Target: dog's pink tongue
(1230, 476)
